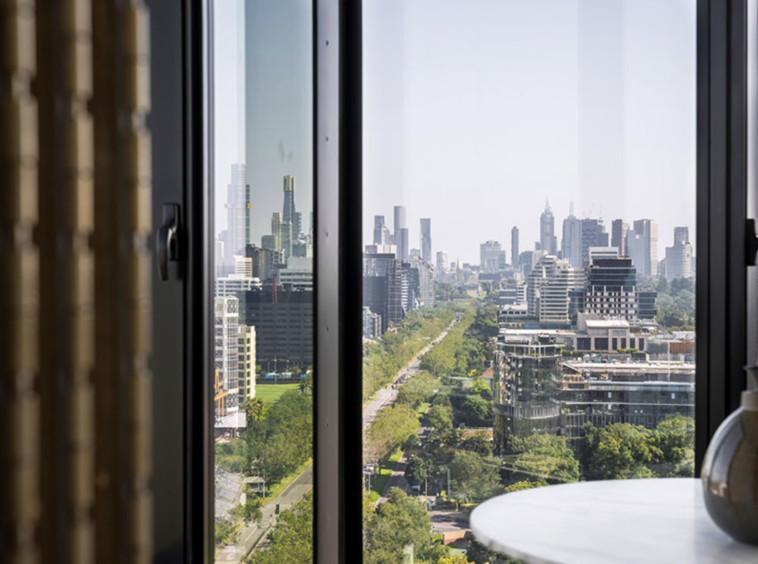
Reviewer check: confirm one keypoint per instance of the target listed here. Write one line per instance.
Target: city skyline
(473, 121)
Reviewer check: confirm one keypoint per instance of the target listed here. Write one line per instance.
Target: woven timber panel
(19, 288)
(138, 167)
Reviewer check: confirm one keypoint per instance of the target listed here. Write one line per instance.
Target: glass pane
(263, 189)
(529, 230)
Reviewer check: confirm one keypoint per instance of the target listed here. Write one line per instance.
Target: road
(387, 395)
(250, 536)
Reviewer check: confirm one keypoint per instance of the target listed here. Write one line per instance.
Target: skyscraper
(593, 235)
(514, 248)
(619, 229)
(491, 257)
(381, 232)
(426, 240)
(402, 244)
(238, 210)
(443, 263)
(571, 243)
(646, 233)
(397, 226)
(289, 200)
(679, 256)
(547, 231)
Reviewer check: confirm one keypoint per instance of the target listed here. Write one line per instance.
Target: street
(387, 395)
(251, 535)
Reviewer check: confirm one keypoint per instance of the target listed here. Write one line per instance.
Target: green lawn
(379, 482)
(272, 392)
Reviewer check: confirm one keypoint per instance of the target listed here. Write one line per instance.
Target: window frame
(722, 289)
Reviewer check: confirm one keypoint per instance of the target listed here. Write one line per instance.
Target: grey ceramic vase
(730, 471)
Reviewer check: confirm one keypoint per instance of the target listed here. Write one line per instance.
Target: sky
(263, 104)
(475, 113)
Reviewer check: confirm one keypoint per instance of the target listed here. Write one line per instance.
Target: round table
(661, 521)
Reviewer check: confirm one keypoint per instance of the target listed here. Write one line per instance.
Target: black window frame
(724, 338)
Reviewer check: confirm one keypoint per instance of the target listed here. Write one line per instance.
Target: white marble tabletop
(661, 521)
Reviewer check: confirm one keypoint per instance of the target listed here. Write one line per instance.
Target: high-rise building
(538, 277)
(619, 230)
(645, 254)
(297, 225)
(246, 363)
(548, 240)
(555, 299)
(238, 212)
(443, 263)
(276, 231)
(681, 235)
(226, 350)
(283, 321)
(679, 256)
(285, 238)
(290, 210)
(514, 248)
(593, 235)
(612, 287)
(381, 231)
(426, 240)
(571, 243)
(491, 257)
(402, 244)
(397, 226)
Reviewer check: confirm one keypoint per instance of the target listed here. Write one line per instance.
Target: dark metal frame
(722, 142)
(199, 519)
(722, 346)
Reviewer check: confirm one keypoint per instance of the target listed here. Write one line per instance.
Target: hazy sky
(475, 112)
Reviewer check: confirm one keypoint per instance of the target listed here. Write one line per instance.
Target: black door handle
(167, 242)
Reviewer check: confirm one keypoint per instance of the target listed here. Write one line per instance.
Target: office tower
(681, 235)
(491, 257)
(226, 361)
(246, 363)
(555, 299)
(426, 240)
(285, 238)
(276, 230)
(262, 259)
(297, 225)
(289, 200)
(276, 311)
(238, 211)
(547, 231)
(402, 244)
(514, 248)
(269, 242)
(398, 225)
(381, 231)
(593, 235)
(443, 263)
(571, 243)
(646, 238)
(611, 287)
(679, 256)
(619, 230)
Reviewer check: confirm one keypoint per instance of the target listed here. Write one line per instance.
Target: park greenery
(291, 538)
(675, 301)
(467, 348)
(383, 359)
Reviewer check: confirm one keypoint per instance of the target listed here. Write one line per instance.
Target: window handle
(167, 242)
